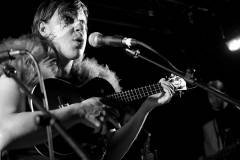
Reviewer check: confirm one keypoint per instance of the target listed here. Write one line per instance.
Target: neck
(65, 66)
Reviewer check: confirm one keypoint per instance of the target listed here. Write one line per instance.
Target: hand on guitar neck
(169, 87)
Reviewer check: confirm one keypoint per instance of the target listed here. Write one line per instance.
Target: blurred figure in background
(221, 132)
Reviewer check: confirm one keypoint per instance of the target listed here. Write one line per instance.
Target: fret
(136, 94)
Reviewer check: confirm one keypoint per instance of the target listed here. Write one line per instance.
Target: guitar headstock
(178, 82)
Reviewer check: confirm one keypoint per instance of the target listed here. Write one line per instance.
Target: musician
(221, 131)
(58, 43)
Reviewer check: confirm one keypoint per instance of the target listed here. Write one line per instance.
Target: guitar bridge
(61, 102)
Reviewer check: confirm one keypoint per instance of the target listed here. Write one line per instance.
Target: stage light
(233, 44)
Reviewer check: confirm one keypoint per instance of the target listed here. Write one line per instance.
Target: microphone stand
(46, 118)
(186, 77)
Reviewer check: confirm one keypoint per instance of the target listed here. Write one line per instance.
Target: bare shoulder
(7, 83)
(9, 94)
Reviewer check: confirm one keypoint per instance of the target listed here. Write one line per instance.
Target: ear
(43, 29)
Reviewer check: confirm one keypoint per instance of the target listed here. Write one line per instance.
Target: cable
(163, 57)
(43, 90)
(160, 55)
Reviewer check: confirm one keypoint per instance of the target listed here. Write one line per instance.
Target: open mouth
(78, 42)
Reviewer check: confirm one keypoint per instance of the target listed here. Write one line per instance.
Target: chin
(74, 57)
(75, 53)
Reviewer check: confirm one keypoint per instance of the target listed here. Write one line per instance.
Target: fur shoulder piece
(24, 64)
(26, 42)
(83, 70)
(90, 68)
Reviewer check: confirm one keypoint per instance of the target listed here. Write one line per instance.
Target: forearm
(124, 137)
(19, 130)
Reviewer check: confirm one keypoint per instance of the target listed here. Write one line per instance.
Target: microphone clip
(133, 53)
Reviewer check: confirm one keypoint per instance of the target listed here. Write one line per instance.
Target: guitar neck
(135, 94)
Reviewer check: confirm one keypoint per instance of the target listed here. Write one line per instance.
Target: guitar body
(60, 94)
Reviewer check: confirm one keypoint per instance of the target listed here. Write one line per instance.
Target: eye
(68, 19)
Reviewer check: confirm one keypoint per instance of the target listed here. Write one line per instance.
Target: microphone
(10, 54)
(96, 39)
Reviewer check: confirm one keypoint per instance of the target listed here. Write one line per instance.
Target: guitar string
(147, 90)
(138, 93)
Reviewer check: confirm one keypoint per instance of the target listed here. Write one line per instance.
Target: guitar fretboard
(135, 94)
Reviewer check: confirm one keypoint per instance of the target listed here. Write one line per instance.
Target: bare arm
(124, 137)
(18, 127)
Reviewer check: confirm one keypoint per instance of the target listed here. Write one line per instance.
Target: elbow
(3, 142)
(4, 138)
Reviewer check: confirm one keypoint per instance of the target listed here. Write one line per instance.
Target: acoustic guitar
(61, 93)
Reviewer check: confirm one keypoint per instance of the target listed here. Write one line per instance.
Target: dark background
(190, 34)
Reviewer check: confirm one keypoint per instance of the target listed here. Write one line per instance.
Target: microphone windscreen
(93, 39)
